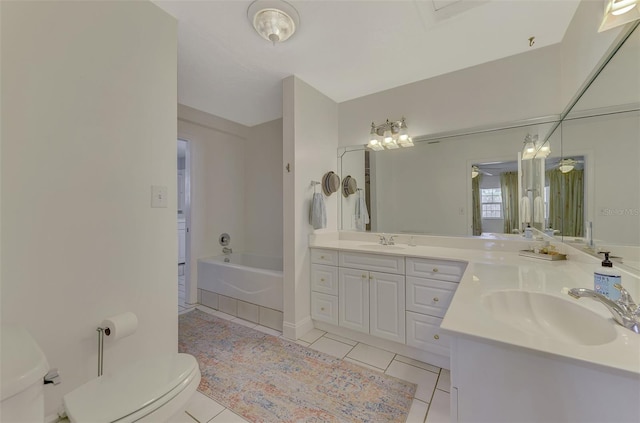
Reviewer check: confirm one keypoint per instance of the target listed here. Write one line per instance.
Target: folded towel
(525, 210)
(361, 212)
(318, 212)
(538, 210)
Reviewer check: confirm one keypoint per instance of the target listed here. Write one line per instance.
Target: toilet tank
(22, 369)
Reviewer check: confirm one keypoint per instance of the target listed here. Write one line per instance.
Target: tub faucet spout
(226, 250)
(622, 313)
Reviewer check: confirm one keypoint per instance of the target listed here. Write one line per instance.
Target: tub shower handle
(52, 377)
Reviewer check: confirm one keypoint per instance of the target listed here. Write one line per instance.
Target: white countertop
(494, 268)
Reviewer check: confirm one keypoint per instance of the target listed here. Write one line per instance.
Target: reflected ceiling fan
(565, 165)
(475, 171)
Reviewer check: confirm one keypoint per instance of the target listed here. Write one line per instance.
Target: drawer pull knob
(436, 299)
(321, 279)
(370, 277)
(322, 257)
(321, 308)
(436, 336)
(364, 276)
(435, 270)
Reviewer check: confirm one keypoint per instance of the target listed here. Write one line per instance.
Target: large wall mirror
(586, 190)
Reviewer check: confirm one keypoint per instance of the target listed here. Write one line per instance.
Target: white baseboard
(296, 330)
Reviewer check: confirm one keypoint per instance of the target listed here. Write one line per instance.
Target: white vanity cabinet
(431, 285)
(385, 298)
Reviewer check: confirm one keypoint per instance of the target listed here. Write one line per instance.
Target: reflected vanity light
(529, 149)
(543, 149)
(619, 12)
(389, 135)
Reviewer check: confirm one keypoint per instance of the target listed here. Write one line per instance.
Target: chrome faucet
(383, 239)
(391, 241)
(624, 311)
(226, 250)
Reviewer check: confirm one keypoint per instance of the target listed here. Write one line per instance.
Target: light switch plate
(159, 196)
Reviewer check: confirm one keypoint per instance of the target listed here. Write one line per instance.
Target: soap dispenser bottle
(605, 277)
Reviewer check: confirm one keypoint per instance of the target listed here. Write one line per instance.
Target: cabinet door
(387, 306)
(353, 296)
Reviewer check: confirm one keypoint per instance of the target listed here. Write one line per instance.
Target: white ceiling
(346, 49)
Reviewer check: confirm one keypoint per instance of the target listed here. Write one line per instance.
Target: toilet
(155, 389)
(152, 390)
(22, 370)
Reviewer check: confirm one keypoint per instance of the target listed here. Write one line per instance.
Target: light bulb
(622, 6)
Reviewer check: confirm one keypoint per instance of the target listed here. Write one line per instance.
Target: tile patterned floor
(430, 405)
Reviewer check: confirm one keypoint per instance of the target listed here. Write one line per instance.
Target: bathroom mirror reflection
(428, 189)
(604, 127)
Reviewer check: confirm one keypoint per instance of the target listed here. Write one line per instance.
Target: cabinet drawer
(436, 269)
(424, 332)
(324, 279)
(319, 256)
(429, 296)
(376, 262)
(324, 308)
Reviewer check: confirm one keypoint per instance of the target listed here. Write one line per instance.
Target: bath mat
(264, 378)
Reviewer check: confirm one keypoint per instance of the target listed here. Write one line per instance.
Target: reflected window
(491, 202)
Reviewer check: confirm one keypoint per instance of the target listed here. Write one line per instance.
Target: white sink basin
(550, 316)
(380, 247)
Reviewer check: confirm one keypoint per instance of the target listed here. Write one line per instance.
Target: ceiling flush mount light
(274, 20)
(389, 135)
(619, 12)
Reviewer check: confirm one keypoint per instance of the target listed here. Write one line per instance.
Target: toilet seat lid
(116, 395)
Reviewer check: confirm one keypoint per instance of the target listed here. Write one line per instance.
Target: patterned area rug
(264, 378)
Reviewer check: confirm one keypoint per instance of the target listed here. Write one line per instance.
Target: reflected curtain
(509, 188)
(566, 201)
(477, 212)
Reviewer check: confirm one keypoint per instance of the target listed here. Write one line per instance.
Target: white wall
(263, 189)
(217, 184)
(518, 87)
(88, 125)
(310, 140)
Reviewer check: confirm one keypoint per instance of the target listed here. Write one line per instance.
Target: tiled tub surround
(244, 310)
(534, 369)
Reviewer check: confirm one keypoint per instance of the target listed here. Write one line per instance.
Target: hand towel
(538, 210)
(525, 210)
(361, 213)
(318, 212)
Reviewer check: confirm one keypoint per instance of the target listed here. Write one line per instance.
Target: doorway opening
(184, 224)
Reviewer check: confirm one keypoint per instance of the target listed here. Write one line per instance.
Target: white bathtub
(247, 277)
